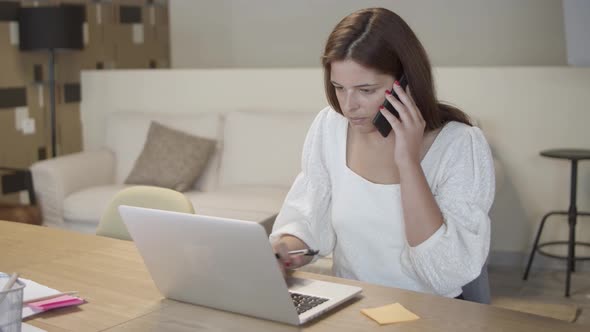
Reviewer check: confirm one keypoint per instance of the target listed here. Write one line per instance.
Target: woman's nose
(350, 101)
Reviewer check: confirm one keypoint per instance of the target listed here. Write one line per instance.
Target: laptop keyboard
(305, 302)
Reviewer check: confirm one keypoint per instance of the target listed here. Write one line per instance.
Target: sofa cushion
(127, 132)
(263, 148)
(87, 206)
(171, 159)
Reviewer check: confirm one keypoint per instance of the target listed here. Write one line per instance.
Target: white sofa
(256, 160)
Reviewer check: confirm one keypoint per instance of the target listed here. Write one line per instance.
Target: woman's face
(360, 92)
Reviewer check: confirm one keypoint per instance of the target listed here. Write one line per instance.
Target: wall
(513, 104)
(577, 29)
(113, 40)
(281, 33)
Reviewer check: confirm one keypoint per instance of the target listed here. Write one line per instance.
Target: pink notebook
(57, 302)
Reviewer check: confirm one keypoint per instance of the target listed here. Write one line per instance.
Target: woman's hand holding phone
(408, 129)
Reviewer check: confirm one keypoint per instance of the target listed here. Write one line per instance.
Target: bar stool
(574, 155)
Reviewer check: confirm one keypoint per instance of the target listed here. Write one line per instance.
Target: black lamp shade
(42, 28)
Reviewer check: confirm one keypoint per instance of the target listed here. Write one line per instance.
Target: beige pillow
(171, 159)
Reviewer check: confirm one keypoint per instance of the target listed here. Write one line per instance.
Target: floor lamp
(51, 29)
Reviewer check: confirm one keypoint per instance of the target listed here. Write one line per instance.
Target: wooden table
(121, 296)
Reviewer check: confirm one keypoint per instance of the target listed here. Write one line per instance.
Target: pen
(10, 282)
(304, 252)
(8, 285)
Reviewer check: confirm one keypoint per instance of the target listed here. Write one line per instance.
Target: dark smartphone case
(380, 121)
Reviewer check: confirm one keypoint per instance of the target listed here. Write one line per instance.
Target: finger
(296, 260)
(401, 109)
(407, 101)
(282, 253)
(282, 268)
(409, 93)
(280, 262)
(402, 95)
(392, 119)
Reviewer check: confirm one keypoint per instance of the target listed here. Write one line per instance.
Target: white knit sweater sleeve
(455, 254)
(305, 213)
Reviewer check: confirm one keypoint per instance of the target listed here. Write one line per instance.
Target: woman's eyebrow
(358, 86)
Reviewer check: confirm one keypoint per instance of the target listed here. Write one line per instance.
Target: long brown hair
(379, 39)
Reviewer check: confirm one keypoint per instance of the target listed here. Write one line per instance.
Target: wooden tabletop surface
(109, 274)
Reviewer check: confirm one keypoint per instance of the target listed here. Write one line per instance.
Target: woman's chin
(363, 128)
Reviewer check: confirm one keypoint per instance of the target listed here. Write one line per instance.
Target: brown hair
(379, 39)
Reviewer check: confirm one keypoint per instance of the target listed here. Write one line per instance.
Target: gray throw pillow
(171, 159)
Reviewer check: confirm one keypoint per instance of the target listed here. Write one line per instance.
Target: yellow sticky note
(391, 313)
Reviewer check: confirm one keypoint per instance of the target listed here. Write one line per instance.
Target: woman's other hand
(285, 261)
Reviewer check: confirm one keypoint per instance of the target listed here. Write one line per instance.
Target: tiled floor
(547, 286)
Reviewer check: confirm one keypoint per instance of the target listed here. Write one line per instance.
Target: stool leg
(537, 237)
(571, 258)
(572, 249)
(572, 213)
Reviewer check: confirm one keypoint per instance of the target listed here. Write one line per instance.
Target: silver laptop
(225, 264)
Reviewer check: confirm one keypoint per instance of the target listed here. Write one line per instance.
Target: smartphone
(380, 121)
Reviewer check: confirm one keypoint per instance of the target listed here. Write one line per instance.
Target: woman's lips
(358, 120)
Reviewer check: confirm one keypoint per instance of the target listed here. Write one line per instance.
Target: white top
(333, 209)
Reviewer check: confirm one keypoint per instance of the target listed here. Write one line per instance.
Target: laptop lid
(215, 262)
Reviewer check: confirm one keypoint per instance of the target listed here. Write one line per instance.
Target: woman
(409, 210)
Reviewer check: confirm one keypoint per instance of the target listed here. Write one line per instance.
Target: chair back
(479, 289)
(111, 224)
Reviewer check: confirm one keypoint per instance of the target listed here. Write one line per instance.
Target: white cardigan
(333, 209)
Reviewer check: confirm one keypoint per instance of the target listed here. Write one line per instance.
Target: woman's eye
(367, 91)
(338, 88)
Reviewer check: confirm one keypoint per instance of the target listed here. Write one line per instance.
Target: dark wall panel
(72, 93)
(13, 97)
(38, 73)
(9, 10)
(130, 14)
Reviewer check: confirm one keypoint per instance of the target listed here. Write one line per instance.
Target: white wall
(523, 110)
(577, 27)
(287, 33)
